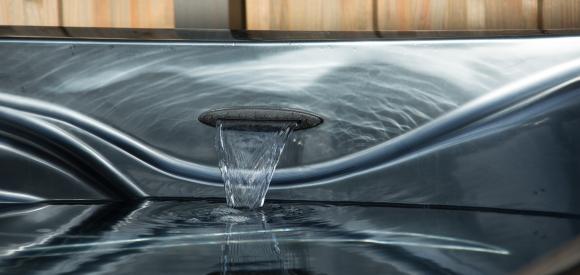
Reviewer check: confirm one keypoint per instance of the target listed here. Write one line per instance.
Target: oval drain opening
(303, 119)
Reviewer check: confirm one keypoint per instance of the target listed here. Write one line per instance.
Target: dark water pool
(206, 237)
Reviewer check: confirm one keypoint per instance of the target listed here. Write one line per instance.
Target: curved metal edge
(531, 88)
(303, 119)
(12, 197)
(79, 183)
(44, 132)
(546, 81)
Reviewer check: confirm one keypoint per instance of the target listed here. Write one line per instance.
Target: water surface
(207, 237)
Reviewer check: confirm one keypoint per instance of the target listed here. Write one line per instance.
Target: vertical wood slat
(345, 15)
(309, 15)
(88, 13)
(520, 14)
(29, 12)
(329, 15)
(118, 13)
(561, 14)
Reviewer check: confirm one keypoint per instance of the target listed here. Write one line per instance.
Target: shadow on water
(205, 237)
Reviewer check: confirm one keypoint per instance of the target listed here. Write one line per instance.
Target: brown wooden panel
(118, 13)
(315, 15)
(561, 14)
(309, 15)
(29, 12)
(347, 15)
(512, 14)
(410, 14)
(456, 14)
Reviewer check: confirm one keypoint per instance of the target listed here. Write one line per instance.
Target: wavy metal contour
(546, 81)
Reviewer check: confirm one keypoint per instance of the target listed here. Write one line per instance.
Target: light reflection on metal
(54, 134)
(152, 92)
(36, 159)
(170, 238)
(413, 239)
(539, 84)
(14, 197)
(467, 244)
(6, 214)
(49, 236)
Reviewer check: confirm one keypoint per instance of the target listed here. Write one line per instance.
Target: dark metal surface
(200, 237)
(46, 137)
(526, 158)
(30, 175)
(415, 122)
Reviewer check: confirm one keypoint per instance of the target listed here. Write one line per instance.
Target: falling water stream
(248, 154)
(257, 244)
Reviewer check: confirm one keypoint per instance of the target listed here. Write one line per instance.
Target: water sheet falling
(248, 154)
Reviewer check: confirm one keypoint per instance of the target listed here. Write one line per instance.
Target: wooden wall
(561, 14)
(368, 15)
(456, 14)
(118, 13)
(88, 13)
(36, 13)
(325, 15)
(309, 14)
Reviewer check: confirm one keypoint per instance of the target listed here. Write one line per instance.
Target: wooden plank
(356, 15)
(309, 15)
(347, 15)
(475, 14)
(260, 15)
(118, 13)
(30, 12)
(561, 14)
(412, 14)
(513, 14)
(457, 14)
(313, 15)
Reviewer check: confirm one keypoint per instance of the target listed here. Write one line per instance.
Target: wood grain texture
(118, 13)
(511, 14)
(353, 15)
(309, 15)
(29, 12)
(561, 14)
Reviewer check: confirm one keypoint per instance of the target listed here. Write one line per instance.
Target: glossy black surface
(205, 237)
(524, 158)
(465, 123)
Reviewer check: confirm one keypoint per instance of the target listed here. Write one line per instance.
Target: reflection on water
(256, 250)
(204, 237)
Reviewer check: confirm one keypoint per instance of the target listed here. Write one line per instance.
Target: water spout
(248, 154)
(249, 143)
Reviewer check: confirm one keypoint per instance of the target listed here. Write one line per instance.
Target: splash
(248, 154)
